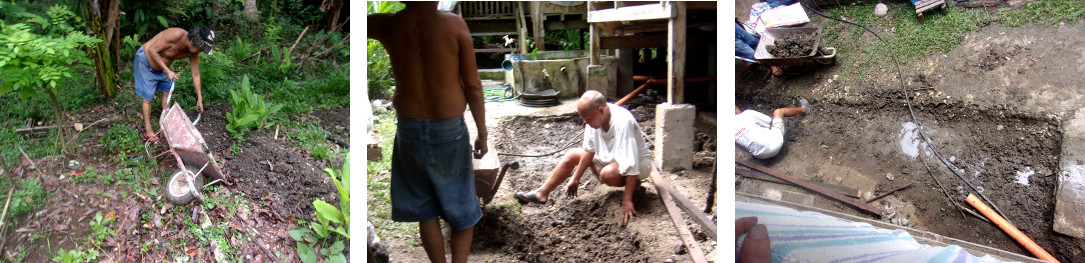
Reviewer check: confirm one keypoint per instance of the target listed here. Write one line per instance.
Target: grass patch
(27, 196)
(313, 139)
(910, 39)
(1048, 12)
(378, 184)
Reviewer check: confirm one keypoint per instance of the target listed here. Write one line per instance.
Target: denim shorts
(147, 79)
(432, 174)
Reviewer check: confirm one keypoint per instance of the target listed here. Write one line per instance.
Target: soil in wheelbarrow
(793, 45)
(271, 167)
(586, 228)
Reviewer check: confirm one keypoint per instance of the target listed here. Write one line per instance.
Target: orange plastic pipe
(1016, 234)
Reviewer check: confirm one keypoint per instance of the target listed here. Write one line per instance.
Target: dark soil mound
(793, 45)
(269, 167)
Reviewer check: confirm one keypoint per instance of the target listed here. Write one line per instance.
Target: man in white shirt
(613, 148)
(763, 136)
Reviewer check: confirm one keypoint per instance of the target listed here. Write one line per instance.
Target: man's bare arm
(194, 63)
(376, 24)
(472, 85)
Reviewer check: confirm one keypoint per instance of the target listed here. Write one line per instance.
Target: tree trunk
(333, 16)
(250, 10)
(61, 123)
(105, 53)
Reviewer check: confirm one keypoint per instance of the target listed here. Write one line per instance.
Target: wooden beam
(521, 26)
(492, 50)
(491, 26)
(701, 5)
(567, 24)
(632, 13)
(537, 23)
(653, 41)
(676, 54)
(821, 190)
(496, 33)
(593, 43)
(694, 250)
(698, 217)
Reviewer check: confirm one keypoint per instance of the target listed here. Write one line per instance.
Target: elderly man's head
(592, 107)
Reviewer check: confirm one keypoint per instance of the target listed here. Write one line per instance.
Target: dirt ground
(292, 180)
(586, 228)
(142, 219)
(793, 45)
(993, 107)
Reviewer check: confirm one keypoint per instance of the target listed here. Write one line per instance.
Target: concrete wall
(674, 136)
(546, 74)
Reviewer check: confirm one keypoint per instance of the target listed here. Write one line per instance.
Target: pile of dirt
(269, 167)
(793, 45)
(581, 231)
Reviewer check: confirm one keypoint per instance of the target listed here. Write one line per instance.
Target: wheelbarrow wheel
(179, 192)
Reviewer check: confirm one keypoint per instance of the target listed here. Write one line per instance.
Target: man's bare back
(171, 44)
(432, 59)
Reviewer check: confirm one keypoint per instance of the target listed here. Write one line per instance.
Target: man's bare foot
(776, 71)
(150, 137)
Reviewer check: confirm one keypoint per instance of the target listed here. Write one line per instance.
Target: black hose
(562, 148)
(908, 100)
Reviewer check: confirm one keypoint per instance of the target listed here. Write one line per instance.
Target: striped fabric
(798, 236)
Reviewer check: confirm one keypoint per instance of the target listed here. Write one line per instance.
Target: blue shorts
(148, 80)
(432, 173)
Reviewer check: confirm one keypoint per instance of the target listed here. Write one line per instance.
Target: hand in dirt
(756, 247)
(480, 147)
(570, 190)
(627, 211)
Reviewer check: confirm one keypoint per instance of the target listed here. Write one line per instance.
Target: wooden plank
(593, 45)
(890, 192)
(695, 252)
(676, 57)
(844, 190)
(631, 13)
(483, 33)
(821, 190)
(698, 217)
(492, 50)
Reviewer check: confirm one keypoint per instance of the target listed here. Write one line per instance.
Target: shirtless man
(152, 72)
(433, 61)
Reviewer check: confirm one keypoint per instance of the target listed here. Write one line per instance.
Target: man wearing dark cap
(151, 66)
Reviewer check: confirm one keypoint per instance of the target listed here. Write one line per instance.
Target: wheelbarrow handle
(198, 116)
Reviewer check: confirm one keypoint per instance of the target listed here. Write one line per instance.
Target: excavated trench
(868, 140)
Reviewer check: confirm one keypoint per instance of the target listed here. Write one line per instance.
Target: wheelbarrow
(821, 55)
(194, 158)
(488, 180)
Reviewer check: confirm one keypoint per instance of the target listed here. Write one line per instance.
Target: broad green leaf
(326, 211)
(298, 234)
(162, 20)
(336, 258)
(319, 230)
(336, 247)
(306, 253)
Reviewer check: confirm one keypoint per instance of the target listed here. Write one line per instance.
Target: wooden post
(537, 18)
(521, 27)
(676, 53)
(593, 33)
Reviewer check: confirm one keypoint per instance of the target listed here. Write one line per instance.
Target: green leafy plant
(75, 256)
(102, 228)
(330, 220)
(26, 197)
(31, 63)
(89, 174)
(121, 141)
(250, 112)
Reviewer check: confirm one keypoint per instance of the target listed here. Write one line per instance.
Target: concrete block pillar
(598, 79)
(674, 136)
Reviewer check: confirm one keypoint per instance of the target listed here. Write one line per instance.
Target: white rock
(890, 176)
(880, 9)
